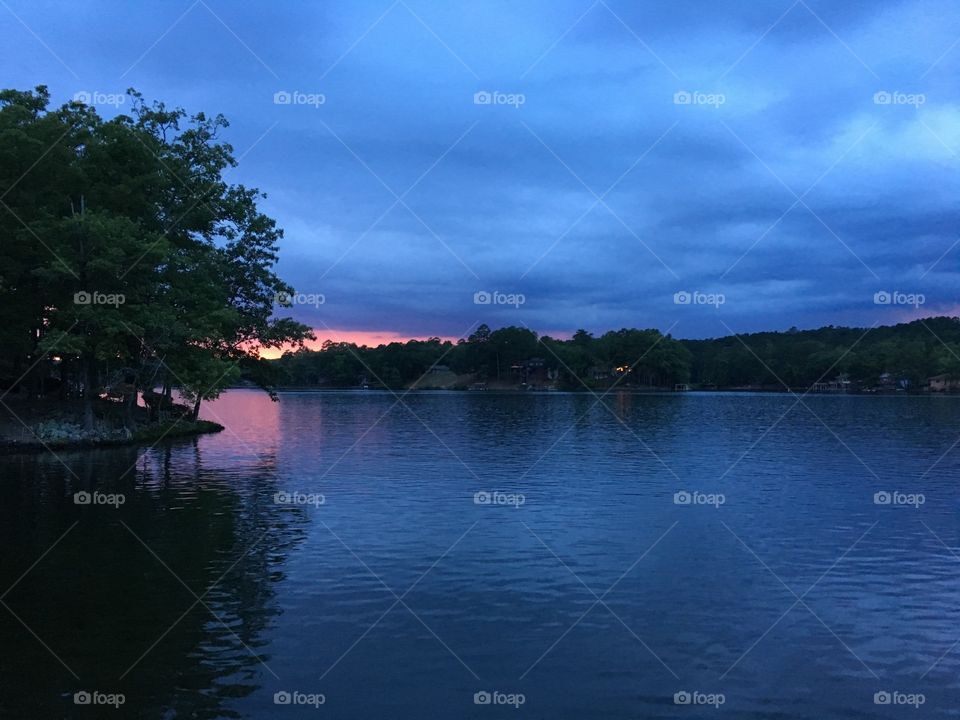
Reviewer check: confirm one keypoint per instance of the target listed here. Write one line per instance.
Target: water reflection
(163, 598)
(493, 597)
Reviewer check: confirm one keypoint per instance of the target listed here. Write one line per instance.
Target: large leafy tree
(124, 250)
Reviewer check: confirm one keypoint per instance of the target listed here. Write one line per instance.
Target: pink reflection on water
(251, 419)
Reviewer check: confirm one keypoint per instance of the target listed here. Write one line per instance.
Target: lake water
(619, 553)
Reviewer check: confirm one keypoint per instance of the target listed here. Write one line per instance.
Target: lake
(480, 555)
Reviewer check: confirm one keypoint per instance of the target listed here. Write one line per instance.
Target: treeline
(902, 356)
(510, 355)
(907, 354)
(127, 261)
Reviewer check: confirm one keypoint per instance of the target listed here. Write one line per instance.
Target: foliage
(909, 353)
(905, 355)
(127, 255)
(653, 359)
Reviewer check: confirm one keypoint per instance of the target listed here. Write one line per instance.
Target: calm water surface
(783, 588)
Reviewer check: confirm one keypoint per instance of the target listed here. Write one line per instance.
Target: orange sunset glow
(370, 338)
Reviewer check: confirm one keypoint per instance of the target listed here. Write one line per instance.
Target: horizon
(373, 340)
(796, 159)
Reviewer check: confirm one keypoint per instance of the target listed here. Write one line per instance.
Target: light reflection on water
(399, 596)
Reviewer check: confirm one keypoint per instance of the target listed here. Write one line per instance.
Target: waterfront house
(943, 383)
(841, 383)
(532, 371)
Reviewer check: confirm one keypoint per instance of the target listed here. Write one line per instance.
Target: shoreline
(144, 435)
(601, 390)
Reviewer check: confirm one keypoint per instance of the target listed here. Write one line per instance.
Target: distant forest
(896, 358)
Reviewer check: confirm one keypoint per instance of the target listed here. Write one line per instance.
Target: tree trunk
(64, 380)
(129, 402)
(166, 402)
(88, 379)
(196, 409)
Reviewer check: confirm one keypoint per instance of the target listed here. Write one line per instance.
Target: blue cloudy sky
(794, 158)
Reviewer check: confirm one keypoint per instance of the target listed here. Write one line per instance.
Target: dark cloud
(504, 196)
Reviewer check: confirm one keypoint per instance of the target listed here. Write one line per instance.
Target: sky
(698, 167)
